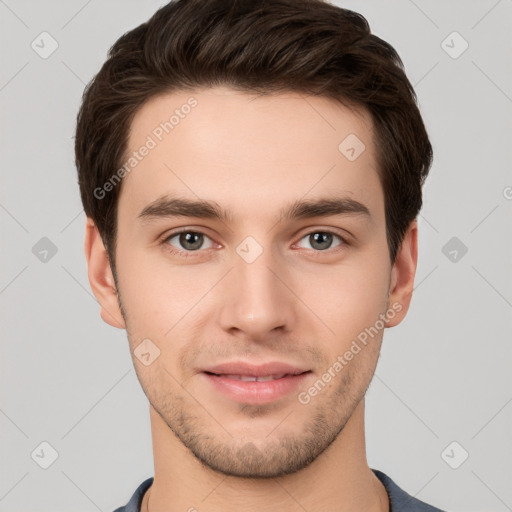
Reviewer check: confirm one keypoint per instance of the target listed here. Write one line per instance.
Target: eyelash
(191, 254)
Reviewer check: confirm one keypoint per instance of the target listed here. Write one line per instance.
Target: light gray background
(444, 374)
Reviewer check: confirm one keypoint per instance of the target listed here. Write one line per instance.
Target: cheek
(145, 298)
(161, 299)
(347, 299)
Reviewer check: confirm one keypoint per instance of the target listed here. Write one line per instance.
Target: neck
(339, 479)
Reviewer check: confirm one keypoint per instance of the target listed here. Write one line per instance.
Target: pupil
(321, 240)
(190, 240)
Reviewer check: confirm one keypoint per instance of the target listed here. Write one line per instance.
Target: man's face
(258, 286)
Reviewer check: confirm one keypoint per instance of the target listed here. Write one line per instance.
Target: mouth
(252, 384)
(251, 378)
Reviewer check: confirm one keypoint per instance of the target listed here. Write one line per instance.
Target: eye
(321, 240)
(187, 241)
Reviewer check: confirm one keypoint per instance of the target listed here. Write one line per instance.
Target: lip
(252, 370)
(256, 392)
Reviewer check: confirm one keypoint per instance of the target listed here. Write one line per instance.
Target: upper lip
(252, 370)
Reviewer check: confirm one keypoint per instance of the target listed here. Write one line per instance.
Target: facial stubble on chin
(278, 454)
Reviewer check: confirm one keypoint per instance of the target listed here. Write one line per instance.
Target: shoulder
(400, 500)
(135, 501)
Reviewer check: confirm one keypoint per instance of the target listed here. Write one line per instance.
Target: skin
(294, 303)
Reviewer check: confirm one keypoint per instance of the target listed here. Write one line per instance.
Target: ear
(101, 278)
(402, 274)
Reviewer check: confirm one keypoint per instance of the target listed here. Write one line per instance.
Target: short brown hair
(254, 46)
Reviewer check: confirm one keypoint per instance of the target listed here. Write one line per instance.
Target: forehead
(243, 149)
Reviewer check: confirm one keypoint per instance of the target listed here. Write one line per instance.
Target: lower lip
(254, 392)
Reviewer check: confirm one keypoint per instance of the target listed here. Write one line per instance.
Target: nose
(258, 299)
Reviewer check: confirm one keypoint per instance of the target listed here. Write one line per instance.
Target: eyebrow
(168, 207)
